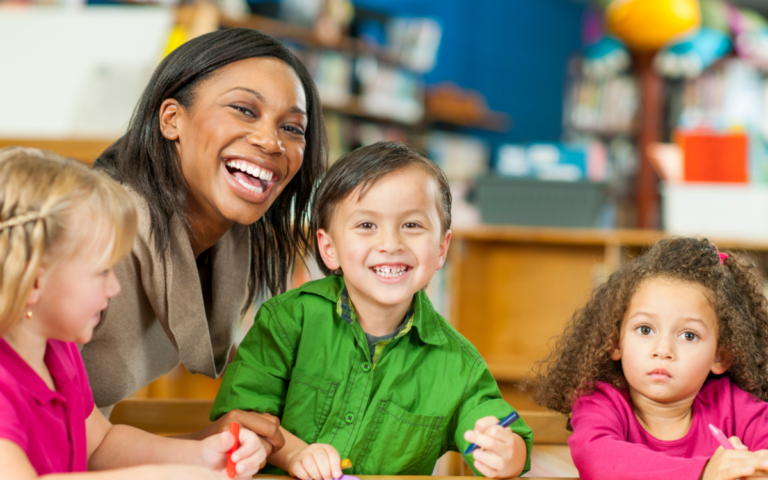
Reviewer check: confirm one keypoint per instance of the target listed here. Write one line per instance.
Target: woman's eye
(296, 130)
(644, 330)
(243, 110)
(690, 336)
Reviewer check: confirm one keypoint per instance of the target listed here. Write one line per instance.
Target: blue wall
(513, 51)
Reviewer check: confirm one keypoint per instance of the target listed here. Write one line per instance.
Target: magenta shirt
(609, 442)
(49, 426)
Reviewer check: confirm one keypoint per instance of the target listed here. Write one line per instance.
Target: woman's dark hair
(582, 355)
(146, 161)
(361, 169)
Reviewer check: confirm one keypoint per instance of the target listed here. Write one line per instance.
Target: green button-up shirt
(307, 361)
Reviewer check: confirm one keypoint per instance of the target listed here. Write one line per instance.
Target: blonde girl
(62, 228)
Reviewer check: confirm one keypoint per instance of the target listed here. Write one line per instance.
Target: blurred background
(574, 132)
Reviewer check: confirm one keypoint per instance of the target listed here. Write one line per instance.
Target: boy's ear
(722, 362)
(327, 250)
(169, 116)
(444, 249)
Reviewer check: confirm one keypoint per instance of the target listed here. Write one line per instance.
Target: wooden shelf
(85, 150)
(594, 237)
(307, 37)
(513, 289)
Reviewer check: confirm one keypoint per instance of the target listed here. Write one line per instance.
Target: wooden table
(392, 477)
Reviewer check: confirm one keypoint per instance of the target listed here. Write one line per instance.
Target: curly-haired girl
(675, 340)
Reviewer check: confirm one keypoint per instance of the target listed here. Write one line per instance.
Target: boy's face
(388, 243)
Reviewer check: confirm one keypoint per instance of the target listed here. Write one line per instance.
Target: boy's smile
(389, 243)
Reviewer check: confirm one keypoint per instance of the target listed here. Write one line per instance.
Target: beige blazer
(160, 317)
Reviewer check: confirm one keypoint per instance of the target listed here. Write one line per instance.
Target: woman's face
(241, 141)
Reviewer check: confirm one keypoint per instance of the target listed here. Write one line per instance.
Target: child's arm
(117, 446)
(503, 452)
(16, 466)
(506, 451)
(316, 461)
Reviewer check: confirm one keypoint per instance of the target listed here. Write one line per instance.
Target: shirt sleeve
(751, 419)
(257, 379)
(12, 414)
(483, 399)
(600, 449)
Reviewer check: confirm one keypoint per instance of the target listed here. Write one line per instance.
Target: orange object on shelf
(714, 157)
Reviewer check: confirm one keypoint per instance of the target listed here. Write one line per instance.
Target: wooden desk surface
(403, 477)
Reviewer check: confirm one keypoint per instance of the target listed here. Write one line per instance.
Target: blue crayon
(505, 422)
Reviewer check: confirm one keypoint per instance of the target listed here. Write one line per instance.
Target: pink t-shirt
(49, 426)
(609, 442)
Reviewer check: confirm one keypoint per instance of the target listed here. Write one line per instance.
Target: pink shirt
(49, 426)
(609, 442)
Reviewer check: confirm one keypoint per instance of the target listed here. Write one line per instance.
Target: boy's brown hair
(360, 170)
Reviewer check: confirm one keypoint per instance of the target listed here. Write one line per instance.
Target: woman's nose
(267, 137)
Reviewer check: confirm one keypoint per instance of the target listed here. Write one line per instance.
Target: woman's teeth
(252, 188)
(390, 272)
(250, 169)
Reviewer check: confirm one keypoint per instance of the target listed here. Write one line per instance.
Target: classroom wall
(514, 52)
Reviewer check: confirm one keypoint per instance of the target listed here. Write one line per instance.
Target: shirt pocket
(402, 443)
(307, 405)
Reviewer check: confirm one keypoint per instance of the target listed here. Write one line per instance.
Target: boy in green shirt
(358, 365)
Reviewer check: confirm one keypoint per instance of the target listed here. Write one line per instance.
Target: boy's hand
(501, 452)
(249, 458)
(317, 462)
(733, 464)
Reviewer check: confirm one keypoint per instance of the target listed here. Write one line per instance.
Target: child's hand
(248, 458)
(732, 464)
(501, 454)
(317, 462)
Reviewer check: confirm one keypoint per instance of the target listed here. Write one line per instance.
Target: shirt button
(350, 418)
(366, 367)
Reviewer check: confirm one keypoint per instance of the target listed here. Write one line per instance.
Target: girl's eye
(295, 130)
(243, 110)
(411, 225)
(644, 330)
(367, 225)
(690, 336)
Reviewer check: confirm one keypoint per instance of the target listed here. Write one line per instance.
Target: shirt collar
(421, 314)
(32, 383)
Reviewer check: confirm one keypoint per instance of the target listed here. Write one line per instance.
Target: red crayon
(234, 429)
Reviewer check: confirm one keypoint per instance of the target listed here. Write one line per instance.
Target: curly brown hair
(581, 355)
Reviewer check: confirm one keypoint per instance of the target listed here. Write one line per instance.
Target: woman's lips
(247, 185)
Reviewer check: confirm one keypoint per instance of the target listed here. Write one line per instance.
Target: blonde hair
(42, 197)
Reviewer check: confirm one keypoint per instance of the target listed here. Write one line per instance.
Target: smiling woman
(220, 157)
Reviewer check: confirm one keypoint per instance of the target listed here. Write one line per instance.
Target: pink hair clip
(722, 256)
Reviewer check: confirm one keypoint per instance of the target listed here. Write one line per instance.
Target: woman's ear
(169, 116)
(722, 362)
(327, 250)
